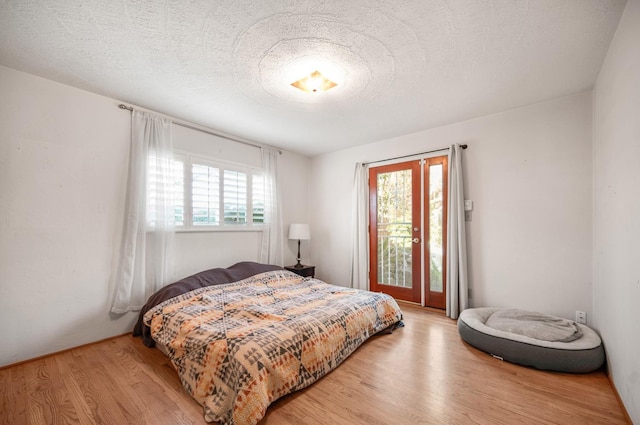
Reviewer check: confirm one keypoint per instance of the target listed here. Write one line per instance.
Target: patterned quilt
(238, 347)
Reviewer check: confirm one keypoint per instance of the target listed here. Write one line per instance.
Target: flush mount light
(314, 83)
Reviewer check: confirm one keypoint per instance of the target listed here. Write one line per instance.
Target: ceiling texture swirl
(400, 66)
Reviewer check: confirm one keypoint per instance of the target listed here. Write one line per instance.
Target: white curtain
(359, 229)
(457, 284)
(272, 251)
(146, 256)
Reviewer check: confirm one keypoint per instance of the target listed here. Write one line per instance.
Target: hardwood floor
(420, 374)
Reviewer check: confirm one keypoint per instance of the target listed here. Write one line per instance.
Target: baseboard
(44, 356)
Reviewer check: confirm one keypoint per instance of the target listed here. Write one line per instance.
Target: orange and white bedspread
(239, 346)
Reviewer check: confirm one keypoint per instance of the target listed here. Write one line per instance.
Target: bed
(241, 344)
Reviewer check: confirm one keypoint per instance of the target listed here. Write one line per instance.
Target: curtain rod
(196, 127)
(413, 154)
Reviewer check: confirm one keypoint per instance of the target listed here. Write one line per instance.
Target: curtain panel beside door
(359, 228)
(457, 280)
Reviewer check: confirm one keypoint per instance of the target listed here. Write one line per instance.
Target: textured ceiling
(401, 65)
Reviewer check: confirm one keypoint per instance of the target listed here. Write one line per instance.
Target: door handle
(415, 240)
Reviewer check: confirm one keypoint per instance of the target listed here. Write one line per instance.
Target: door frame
(420, 292)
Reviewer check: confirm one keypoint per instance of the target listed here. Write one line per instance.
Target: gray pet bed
(582, 355)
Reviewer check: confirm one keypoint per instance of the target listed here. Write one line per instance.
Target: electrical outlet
(581, 317)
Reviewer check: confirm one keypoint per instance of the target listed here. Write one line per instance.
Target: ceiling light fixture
(314, 83)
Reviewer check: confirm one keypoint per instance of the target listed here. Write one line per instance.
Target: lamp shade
(299, 232)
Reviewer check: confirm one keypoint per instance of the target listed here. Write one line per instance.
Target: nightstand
(304, 271)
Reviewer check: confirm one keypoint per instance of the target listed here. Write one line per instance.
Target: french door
(407, 230)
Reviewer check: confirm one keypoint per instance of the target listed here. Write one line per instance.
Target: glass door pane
(394, 228)
(436, 208)
(435, 215)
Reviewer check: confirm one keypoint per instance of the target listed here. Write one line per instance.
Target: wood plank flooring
(420, 374)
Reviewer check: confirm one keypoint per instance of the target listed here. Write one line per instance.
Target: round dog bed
(581, 355)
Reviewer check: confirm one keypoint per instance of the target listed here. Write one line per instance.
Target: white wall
(62, 176)
(617, 208)
(63, 165)
(528, 172)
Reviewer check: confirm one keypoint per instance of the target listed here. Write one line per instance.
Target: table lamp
(299, 232)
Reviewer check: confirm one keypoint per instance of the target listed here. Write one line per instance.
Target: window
(214, 195)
